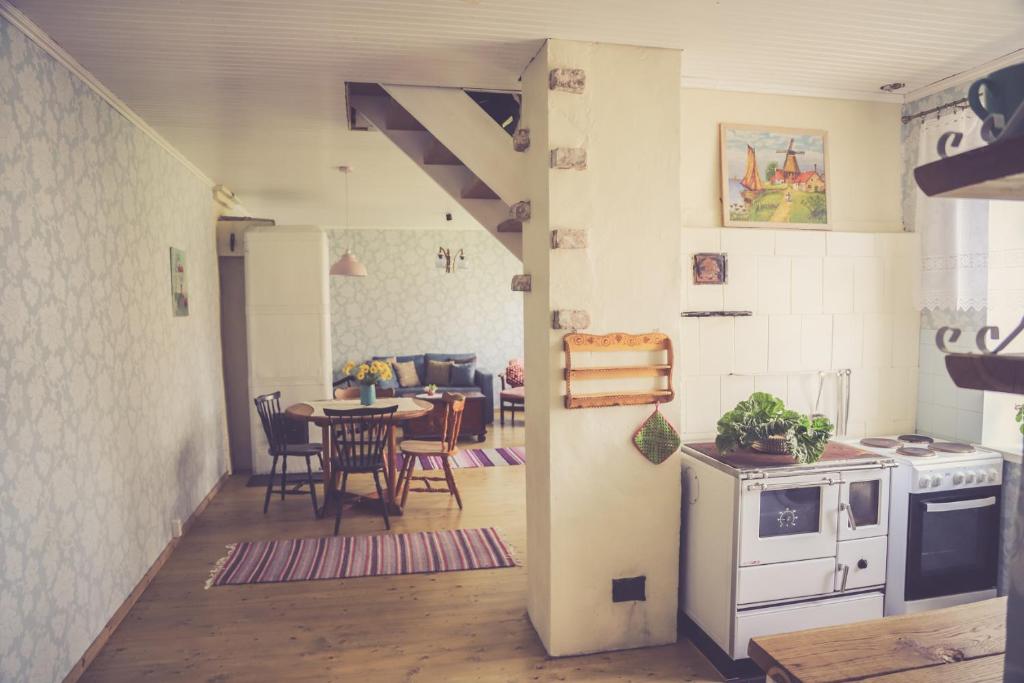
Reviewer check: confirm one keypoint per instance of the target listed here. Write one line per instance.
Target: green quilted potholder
(657, 438)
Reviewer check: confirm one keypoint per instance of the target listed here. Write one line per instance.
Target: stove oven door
(783, 519)
(952, 542)
(864, 504)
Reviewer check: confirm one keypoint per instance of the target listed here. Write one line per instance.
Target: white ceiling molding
(966, 76)
(254, 96)
(20, 21)
(773, 89)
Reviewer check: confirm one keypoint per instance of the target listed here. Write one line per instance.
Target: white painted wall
(863, 146)
(597, 509)
(821, 301)
(288, 320)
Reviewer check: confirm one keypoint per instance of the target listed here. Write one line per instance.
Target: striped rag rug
(479, 457)
(336, 557)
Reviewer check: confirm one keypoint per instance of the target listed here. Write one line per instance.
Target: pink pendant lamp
(348, 265)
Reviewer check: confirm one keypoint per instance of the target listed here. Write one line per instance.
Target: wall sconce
(449, 262)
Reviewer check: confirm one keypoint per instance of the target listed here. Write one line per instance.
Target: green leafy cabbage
(762, 416)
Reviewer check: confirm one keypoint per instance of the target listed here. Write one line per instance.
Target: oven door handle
(850, 520)
(761, 486)
(960, 504)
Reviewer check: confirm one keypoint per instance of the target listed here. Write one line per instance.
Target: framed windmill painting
(774, 177)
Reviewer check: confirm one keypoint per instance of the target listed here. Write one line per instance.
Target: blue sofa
(483, 381)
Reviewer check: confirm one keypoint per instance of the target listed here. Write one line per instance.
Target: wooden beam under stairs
(399, 119)
(510, 225)
(439, 155)
(478, 190)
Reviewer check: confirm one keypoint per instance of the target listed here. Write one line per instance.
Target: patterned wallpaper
(112, 410)
(406, 305)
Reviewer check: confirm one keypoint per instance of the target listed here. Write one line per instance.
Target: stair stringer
(463, 127)
(453, 179)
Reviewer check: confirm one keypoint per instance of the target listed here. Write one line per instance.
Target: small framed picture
(179, 285)
(710, 269)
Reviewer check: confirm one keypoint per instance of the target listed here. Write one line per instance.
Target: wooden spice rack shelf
(621, 342)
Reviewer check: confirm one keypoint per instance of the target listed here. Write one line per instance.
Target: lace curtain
(954, 232)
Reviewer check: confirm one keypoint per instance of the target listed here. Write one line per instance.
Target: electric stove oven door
(784, 519)
(952, 543)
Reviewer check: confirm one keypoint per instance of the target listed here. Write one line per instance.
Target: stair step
(439, 155)
(510, 225)
(478, 190)
(399, 119)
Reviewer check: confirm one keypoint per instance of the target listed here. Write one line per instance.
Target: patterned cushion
(407, 375)
(439, 372)
(515, 373)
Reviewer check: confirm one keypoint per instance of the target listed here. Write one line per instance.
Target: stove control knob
(969, 478)
(922, 483)
(958, 478)
(993, 475)
(936, 481)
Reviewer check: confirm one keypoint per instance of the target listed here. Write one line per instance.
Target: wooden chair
(511, 398)
(275, 427)
(445, 448)
(360, 437)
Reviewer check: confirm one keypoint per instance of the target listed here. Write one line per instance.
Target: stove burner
(915, 438)
(876, 442)
(915, 452)
(952, 447)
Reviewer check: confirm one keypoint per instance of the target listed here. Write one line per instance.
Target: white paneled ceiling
(252, 90)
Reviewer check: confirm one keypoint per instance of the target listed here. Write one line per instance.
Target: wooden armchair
(513, 390)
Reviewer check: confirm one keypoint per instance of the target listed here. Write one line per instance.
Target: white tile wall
(807, 284)
(837, 284)
(821, 301)
(944, 409)
(751, 345)
(774, 281)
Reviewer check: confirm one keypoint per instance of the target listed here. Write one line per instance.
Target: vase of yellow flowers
(368, 375)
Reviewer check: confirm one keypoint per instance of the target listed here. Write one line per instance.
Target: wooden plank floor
(456, 626)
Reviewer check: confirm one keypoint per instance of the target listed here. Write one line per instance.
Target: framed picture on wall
(179, 285)
(774, 177)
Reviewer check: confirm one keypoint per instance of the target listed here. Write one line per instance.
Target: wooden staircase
(456, 143)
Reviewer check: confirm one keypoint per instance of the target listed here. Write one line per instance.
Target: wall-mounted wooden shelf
(617, 341)
(610, 372)
(995, 171)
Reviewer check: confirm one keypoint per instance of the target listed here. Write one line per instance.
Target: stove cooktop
(922, 448)
(746, 461)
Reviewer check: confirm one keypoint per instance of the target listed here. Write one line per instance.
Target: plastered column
(597, 510)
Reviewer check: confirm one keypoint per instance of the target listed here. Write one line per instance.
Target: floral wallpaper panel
(112, 411)
(406, 305)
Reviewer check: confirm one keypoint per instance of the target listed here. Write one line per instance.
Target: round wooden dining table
(313, 411)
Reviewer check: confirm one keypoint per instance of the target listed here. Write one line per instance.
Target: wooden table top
(313, 411)
(962, 643)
